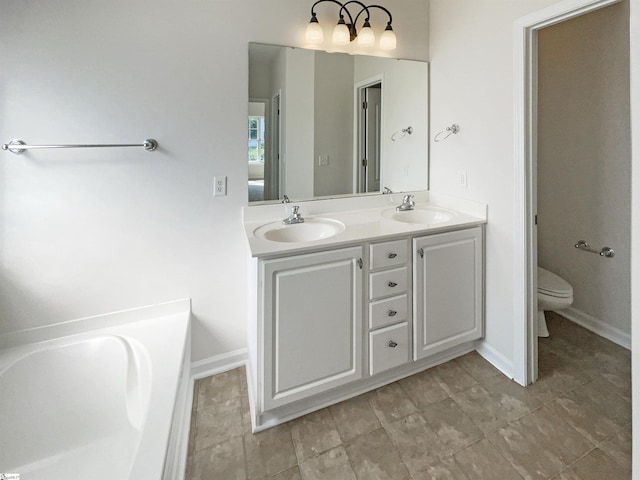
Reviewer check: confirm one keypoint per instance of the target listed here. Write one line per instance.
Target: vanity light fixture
(345, 32)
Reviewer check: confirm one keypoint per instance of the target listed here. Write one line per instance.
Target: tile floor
(460, 420)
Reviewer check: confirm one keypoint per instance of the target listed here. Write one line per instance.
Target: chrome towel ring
(453, 129)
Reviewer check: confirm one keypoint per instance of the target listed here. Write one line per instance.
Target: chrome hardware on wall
(392, 344)
(607, 252)
(604, 252)
(404, 132)
(18, 146)
(453, 129)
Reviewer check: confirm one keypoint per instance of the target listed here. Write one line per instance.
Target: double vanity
(357, 295)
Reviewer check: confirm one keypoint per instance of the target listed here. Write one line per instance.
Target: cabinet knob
(392, 313)
(392, 255)
(392, 344)
(392, 284)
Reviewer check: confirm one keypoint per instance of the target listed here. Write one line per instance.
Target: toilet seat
(552, 285)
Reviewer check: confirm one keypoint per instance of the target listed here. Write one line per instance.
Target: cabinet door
(448, 307)
(312, 324)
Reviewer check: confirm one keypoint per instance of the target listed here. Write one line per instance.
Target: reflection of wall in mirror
(333, 140)
(317, 117)
(297, 109)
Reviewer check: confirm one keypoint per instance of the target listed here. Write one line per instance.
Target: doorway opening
(526, 93)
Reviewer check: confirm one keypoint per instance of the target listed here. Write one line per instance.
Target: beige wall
(584, 159)
(634, 34)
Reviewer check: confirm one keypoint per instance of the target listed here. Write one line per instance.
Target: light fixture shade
(341, 35)
(314, 33)
(366, 37)
(388, 39)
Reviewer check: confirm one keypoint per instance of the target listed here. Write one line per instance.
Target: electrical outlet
(462, 178)
(219, 186)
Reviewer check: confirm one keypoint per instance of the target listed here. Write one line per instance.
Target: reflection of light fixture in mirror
(345, 31)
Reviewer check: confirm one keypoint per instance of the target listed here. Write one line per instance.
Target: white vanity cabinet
(312, 324)
(389, 300)
(345, 319)
(447, 282)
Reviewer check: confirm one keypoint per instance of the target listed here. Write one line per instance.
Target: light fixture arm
(363, 9)
(313, 13)
(385, 11)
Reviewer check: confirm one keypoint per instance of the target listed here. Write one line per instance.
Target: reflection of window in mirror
(256, 150)
(256, 139)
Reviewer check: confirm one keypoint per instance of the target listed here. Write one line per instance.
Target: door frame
(525, 36)
(278, 168)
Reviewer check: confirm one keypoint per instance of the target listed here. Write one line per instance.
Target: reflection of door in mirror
(369, 132)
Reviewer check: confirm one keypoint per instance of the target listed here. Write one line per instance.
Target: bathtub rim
(77, 326)
(171, 443)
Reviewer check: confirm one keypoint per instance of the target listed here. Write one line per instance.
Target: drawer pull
(392, 313)
(392, 284)
(392, 255)
(392, 344)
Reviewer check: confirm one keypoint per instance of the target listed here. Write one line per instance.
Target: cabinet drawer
(387, 283)
(388, 311)
(388, 254)
(388, 348)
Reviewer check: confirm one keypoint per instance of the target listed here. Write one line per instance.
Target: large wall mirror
(332, 124)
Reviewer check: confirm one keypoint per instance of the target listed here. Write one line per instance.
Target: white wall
(85, 232)
(584, 159)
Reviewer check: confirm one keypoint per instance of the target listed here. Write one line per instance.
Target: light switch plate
(219, 186)
(462, 178)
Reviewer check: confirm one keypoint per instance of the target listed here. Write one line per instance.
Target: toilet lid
(551, 284)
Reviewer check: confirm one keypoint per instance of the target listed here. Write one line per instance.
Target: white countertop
(367, 222)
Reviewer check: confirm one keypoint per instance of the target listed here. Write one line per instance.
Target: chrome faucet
(295, 216)
(285, 199)
(407, 204)
(386, 190)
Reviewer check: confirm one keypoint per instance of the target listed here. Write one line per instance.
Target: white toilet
(554, 293)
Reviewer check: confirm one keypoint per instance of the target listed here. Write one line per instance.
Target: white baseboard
(597, 326)
(495, 358)
(218, 363)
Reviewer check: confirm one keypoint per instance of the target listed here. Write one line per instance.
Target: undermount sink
(421, 215)
(311, 230)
